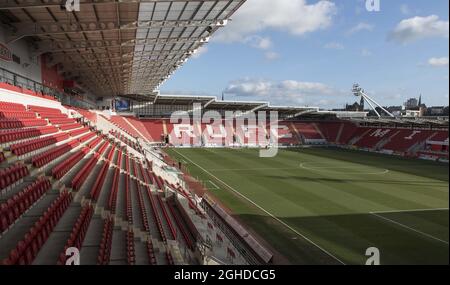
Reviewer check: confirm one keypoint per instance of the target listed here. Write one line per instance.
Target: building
(412, 103)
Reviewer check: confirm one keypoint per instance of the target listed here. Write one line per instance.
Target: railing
(27, 83)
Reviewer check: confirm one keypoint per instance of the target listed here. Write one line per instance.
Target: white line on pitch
(411, 210)
(214, 184)
(329, 169)
(253, 169)
(264, 210)
(409, 228)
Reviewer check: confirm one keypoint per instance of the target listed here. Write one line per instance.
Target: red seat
(78, 132)
(79, 179)
(14, 135)
(58, 121)
(29, 146)
(63, 167)
(66, 127)
(12, 174)
(20, 202)
(17, 114)
(49, 155)
(7, 106)
(86, 137)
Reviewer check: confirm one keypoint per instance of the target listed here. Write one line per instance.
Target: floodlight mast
(359, 92)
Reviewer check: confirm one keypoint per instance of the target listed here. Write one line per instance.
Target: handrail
(18, 80)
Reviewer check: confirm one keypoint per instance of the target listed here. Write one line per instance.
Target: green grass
(323, 202)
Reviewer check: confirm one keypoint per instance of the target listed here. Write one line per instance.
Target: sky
(310, 53)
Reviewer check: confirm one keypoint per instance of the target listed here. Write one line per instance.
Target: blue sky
(303, 52)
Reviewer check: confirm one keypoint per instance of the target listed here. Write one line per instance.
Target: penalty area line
(409, 228)
(214, 184)
(264, 210)
(410, 210)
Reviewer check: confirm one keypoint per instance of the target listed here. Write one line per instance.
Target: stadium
(98, 167)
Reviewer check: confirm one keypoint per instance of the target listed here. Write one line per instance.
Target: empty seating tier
(12, 174)
(106, 242)
(13, 123)
(78, 132)
(155, 128)
(308, 131)
(60, 121)
(17, 114)
(179, 223)
(124, 126)
(51, 154)
(131, 256)
(14, 207)
(155, 215)
(112, 200)
(98, 184)
(372, 137)
(86, 137)
(151, 253)
(15, 135)
(81, 176)
(69, 126)
(86, 114)
(93, 143)
(27, 249)
(63, 167)
(47, 110)
(53, 116)
(172, 229)
(128, 206)
(405, 139)
(7, 106)
(137, 124)
(29, 146)
(78, 232)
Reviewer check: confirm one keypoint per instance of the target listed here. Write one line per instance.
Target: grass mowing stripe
(410, 210)
(409, 228)
(264, 210)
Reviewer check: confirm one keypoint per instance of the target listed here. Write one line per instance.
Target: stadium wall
(29, 66)
(8, 95)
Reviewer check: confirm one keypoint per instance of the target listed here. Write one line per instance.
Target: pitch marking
(264, 210)
(409, 228)
(214, 184)
(324, 169)
(253, 169)
(410, 210)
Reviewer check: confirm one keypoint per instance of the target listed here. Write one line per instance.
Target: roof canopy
(117, 47)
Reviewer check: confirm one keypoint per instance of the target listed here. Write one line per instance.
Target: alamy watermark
(196, 128)
(374, 256)
(72, 5)
(373, 5)
(73, 256)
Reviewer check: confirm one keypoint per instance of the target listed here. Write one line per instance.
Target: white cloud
(287, 92)
(259, 42)
(200, 51)
(360, 27)
(417, 28)
(365, 52)
(271, 55)
(334, 45)
(438, 61)
(296, 17)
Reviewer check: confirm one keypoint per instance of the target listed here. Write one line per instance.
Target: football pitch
(328, 206)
